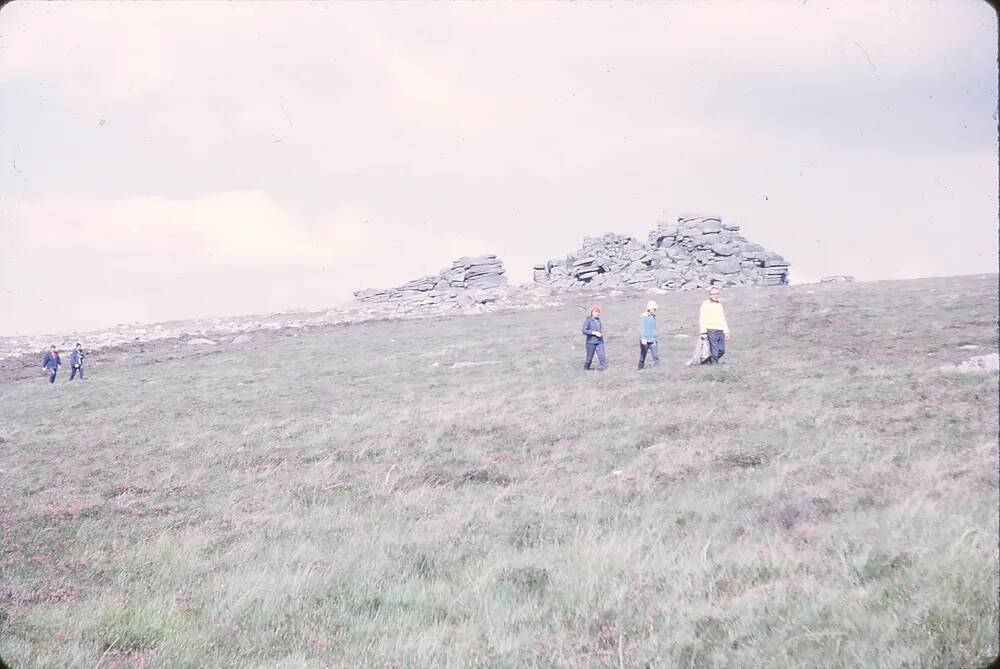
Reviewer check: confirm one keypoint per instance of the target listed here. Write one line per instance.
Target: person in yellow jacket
(712, 326)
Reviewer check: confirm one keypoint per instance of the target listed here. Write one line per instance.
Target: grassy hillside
(353, 498)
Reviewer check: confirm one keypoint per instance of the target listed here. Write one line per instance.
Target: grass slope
(335, 499)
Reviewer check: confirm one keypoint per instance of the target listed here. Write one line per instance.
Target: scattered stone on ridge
(200, 342)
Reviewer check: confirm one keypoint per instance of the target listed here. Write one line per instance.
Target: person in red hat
(51, 363)
(594, 332)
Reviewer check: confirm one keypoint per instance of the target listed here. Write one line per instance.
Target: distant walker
(51, 362)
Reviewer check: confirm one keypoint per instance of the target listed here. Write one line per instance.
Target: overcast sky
(173, 160)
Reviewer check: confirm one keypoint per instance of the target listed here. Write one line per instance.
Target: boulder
(487, 281)
(711, 225)
(469, 261)
(726, 267)
(199, 341)
(981, 364)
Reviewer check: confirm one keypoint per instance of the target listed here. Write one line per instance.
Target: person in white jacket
(713, 327)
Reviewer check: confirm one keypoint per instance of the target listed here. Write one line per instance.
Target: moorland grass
(348, 498)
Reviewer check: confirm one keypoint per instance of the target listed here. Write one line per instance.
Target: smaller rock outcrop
(469, 280)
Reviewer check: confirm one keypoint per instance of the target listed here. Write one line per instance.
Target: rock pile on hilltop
(465, 282)
(696, 252)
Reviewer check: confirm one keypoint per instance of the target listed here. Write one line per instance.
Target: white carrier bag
(701, 352)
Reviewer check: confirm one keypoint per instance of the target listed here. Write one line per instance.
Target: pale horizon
(215, 159)
(291, 310)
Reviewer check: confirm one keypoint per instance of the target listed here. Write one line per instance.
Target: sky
(178, 160)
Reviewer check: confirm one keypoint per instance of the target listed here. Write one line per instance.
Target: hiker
(51, 362)
(76, 362)
(648, 341)
(594, 332)
(713, 327)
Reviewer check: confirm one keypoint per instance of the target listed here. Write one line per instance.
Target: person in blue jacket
(51, 363)
(594, 332)
(648, 341)
(76, 362)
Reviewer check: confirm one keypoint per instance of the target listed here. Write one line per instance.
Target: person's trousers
(74, 371)
(597, 346)
(716, 345)
(52, 375)
(653, 349)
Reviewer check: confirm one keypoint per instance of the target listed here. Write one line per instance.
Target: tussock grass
(827, 497)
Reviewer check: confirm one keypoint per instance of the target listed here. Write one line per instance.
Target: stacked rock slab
(695, 252)
(464, 283)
